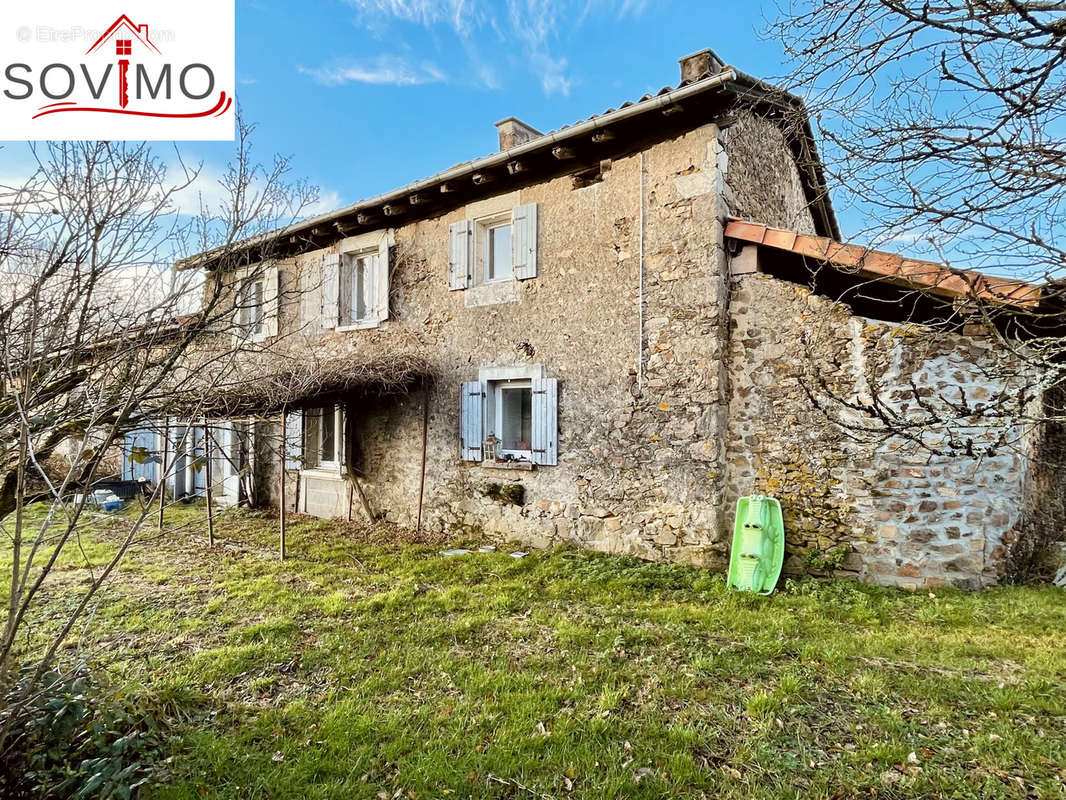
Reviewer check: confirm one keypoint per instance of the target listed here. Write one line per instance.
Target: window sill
(491, 294)
(323, 472)
(362, 325)
(521, 466)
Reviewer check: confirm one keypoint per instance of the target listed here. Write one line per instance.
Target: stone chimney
(700, 65)
(514, 132)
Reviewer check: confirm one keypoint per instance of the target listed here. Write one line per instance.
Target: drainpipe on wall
(640, 288)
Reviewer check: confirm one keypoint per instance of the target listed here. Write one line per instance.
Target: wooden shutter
(545, 421)
(310, 303)
(524, 242)
(379, 282)
(294, 439)
(460, 275)
(271, 300)
(331, 286)
(340, 420)
(240, 309)
(472, 403)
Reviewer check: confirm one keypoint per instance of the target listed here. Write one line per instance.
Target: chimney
(143, 30)
(514, 132)
(700, 65)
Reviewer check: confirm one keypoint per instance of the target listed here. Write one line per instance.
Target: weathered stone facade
(875, 506)
(682, 385)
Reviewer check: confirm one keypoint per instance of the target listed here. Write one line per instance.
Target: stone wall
(679, 388)
(884, 508)
(763, 182)
(641, 409)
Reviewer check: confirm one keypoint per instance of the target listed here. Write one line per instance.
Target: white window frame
(497, 388)
(315, 448)
(253, 317)
(483, 228)
(350, 259)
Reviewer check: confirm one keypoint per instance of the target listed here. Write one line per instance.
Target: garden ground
(369, 665)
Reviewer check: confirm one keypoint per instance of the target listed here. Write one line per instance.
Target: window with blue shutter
(545, 421)
(472, 406)
(294, 439)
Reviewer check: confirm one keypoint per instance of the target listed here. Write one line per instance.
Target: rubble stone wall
(679, 388)
(886, 508)
(641, 409)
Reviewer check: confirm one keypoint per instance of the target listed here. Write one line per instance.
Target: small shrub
(513, 494)
(827, 560)
(74, 739)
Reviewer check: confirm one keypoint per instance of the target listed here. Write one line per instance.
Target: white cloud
(390, 70)
(461, 15)
(328, 200)
(482, 25)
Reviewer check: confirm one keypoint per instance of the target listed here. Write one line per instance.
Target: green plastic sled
(758, 545)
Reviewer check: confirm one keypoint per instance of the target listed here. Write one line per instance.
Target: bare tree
(97, 335)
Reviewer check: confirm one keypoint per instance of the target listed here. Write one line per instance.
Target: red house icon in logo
(125, 28)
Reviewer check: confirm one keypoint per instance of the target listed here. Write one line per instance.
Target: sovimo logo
(167, 75)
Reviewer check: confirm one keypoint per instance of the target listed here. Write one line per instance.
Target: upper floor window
(357, 275)
(496, 257)
(123, 47)
(500, 247)
(253, 309)
(355, 283)
(256, 302)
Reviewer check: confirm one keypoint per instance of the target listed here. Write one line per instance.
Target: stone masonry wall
(639, 444)
(763, 183)
(667, 416)
(881, 508)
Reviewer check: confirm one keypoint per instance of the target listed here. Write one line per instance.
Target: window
(252, 315)
(496, 250)
(356, 292)
(513, 418)
(512, 410)
(123, 47)
(327, 440)
(322, 437)
(355, 283)
(255, 303)
(493, 249)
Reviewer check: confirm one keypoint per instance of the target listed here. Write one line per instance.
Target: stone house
(578, 340)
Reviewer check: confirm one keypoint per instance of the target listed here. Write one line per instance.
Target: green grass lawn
(368, 665)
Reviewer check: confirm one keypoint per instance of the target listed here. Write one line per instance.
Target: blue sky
(367, 95)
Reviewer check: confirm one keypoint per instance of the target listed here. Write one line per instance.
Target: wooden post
(284, 467)
(162, 487)
(425, 438)
(207, 468)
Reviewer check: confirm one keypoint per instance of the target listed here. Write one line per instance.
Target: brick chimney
(514, 132)
(700, 65)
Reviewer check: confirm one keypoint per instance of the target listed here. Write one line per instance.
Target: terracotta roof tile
(891, 267)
